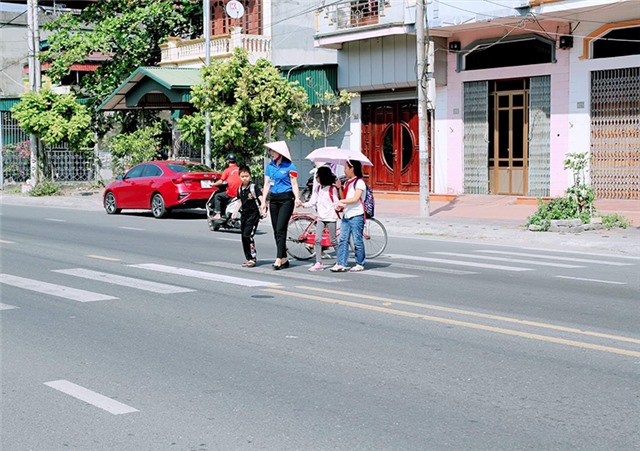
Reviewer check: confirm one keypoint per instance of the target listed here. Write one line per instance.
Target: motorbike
(225, 222)
(305, 194)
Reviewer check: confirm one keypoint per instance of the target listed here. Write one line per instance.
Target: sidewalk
(501, 218)
(485, 218)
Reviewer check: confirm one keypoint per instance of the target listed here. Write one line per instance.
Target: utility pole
(207, 59)
(33, 42)
(423, 115)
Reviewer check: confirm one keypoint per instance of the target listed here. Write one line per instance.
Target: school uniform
(249, 218)
(281, 201)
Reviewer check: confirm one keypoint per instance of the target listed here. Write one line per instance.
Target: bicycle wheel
(298, 230)
(375, 238)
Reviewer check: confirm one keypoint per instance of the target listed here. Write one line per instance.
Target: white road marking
(124, 281)
(460, 272)
(556, 257)
(631, 257)
(7, 242)
(267, 269)
(7, 306)
(204, 275)
(102, 257)
(53, 289)
(235, 240)
(458, 262)
(512, 260)
(90, 397)
(389, 275)
(592, 280)
(131, 228)
(55, 220)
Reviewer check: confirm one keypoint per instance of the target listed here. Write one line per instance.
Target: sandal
(250, 263)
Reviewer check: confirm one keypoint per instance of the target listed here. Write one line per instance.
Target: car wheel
(110, 204)
(158, 207)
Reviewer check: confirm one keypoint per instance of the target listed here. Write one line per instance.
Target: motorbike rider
(231, 175)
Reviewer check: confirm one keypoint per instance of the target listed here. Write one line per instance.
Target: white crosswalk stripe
(511, 260)
(130, 282)
(53, 289)
(457, 262)
(459, 272)
(556, 257)
(7, 306)
(245, 282)
(389, 275)
(268, 270)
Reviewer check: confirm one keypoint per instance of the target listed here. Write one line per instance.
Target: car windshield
(189, 167)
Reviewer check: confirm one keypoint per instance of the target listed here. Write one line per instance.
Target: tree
(129, 149)
(54, 118)
(128, 31)
(248, 105)
(327, 117)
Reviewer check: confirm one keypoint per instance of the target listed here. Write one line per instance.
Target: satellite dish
(235, 9)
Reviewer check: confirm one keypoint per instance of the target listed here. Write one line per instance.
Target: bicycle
(301, 237)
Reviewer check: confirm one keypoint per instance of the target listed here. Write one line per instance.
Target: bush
(45, 188)
(614, 220)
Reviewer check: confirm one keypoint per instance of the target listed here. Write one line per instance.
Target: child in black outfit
(249, 195)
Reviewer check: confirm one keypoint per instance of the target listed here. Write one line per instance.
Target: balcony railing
(177, 52)
(356, 13)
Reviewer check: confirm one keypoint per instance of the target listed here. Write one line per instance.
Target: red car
(161, 186)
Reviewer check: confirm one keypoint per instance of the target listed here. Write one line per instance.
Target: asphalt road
(130, 333)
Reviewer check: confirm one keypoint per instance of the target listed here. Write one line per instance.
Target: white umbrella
(336, 155)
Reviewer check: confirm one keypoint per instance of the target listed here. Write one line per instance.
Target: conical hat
(280, 147)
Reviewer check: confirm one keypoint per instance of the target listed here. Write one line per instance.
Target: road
(131, 333)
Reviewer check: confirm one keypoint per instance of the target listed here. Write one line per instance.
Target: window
(135, 173)
(619, 42)
(151, 170)
(518, 51)
(251, 21)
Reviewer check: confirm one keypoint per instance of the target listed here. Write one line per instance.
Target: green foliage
(615, 220)
(128, 149)
(329, 115)
(128, 30)
(16, 159)
(578, 202)
(54, 118)
(558, 208)
(45, 188)
(248, 105)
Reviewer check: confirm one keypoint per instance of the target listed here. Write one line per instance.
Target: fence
(61, 164)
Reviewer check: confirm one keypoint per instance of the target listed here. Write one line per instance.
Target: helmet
(231, 157)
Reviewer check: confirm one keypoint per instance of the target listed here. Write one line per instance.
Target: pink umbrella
(336, 155)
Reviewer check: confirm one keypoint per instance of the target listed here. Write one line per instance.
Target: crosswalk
(176, 280)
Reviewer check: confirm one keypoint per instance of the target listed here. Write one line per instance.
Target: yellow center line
(101, 257)
(506, 319)
(466, 324)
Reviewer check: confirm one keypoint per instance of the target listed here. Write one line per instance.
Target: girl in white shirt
(352, 225)
(325, 200)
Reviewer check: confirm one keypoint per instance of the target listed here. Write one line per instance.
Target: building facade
(516, 86)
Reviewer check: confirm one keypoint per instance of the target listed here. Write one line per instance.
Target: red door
(390, 140)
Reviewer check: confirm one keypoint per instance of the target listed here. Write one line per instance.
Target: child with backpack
(353, 217)
(249, 196)
(325, 199)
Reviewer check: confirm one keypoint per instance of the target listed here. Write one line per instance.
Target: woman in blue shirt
(281, 184)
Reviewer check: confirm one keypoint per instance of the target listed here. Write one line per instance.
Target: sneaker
(357, 268)
(317, 267)
(339, 268)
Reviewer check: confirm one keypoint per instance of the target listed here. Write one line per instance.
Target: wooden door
(390, 140)
(508, 160)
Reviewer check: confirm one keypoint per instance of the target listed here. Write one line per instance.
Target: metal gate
(615, 133)
(476, 129)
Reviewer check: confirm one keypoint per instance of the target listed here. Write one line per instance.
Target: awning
(154, 88)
